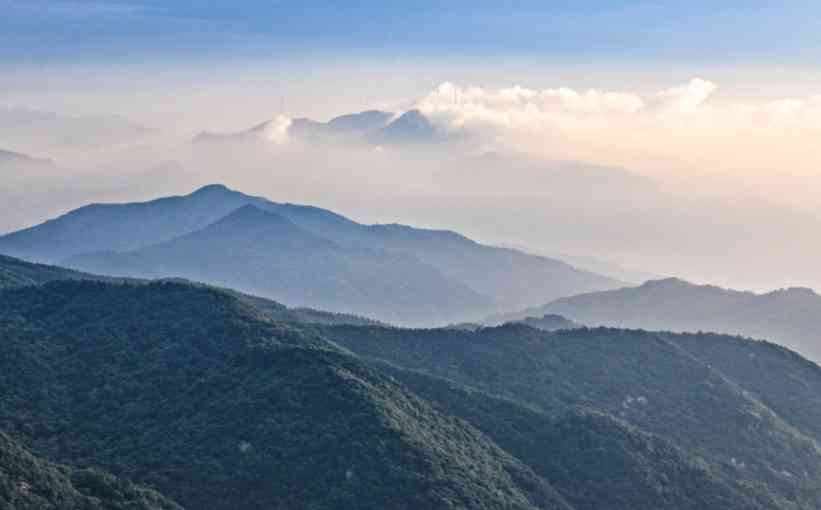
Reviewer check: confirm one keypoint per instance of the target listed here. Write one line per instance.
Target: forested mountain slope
(31, 483)
(194, 392)
(645, 379)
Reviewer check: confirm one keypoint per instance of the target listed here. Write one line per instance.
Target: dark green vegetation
(593, 459)
(30, 483)
(221, 400)
(725, 432)
(791, 317)
(193, 392)
(419, 276)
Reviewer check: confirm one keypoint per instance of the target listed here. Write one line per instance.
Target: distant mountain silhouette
(350, 127)
(374, 127)
(17, 158)
(490, 278)
(263, 253)
(410, 127)
(341, 127)
(791, 317)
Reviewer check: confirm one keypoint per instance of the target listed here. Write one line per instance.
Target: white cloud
(685, 99)
(681, 131)
(276, 130)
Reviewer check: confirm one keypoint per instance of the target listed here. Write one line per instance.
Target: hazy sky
(715, 107)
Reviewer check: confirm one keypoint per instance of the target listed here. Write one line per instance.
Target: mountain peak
(795, 292)
(212, 188)
(668, 282)
(411, 126)
(251, 215)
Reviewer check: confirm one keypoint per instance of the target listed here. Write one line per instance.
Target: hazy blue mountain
(791, 317)
(410, 127)
(120, 227)
(340, 128)
(371, 127)
(262, 253)
(511, 278)
(354, 127)
(647, 380)
(8, 158)
(190, 391)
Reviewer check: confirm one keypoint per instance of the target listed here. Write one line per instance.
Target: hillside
(263, 253)
(645, 379)
(31, 483)
(193, 392)
(550, 322)
(595, 460)
(790, 317)
(512, 279)
(16, 272)
(199, 394)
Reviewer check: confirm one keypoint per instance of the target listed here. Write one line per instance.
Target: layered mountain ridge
(427, 276)
(791, 317)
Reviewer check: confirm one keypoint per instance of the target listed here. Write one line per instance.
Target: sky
(714, 106)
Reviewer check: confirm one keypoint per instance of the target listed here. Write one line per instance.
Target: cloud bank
(679, 133)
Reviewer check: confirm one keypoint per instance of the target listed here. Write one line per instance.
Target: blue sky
(640, 32)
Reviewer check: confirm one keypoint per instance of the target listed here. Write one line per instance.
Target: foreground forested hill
(193, 392)
(748, 436)
(219, 400)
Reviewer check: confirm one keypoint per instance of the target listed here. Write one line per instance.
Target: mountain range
(172, 393)
(790, 317)
(374, 127)
(302, 256)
